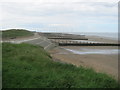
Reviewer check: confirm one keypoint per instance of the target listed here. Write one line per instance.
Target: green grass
(0, 65)
(28, 66)
(14, 33)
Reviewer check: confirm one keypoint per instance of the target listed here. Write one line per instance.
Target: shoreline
(99, 62)
(106, 63)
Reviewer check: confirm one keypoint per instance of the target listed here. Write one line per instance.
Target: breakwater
(88, 44)
(76, 43)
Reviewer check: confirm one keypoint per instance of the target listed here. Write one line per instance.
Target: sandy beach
(100, 58)
(101, 39)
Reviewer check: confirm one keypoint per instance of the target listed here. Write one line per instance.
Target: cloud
(59, 1)
(58, 13)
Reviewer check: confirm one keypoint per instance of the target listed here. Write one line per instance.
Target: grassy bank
(14, 33)
(28, 66)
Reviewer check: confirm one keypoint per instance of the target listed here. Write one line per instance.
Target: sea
(113, 35)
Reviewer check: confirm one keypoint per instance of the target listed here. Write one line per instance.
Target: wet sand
(106, 63)
(101, 39)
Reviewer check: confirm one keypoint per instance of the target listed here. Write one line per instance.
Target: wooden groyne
(68, 38)
(76, 43)
(64, 36)
(87, 44)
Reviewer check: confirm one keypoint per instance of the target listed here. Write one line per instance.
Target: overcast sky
(60, 15)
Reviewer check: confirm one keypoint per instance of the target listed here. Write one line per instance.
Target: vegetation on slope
(14, 33)
(28, 66)
(0, 65)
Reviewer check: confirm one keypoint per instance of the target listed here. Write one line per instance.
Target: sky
(60, 15)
